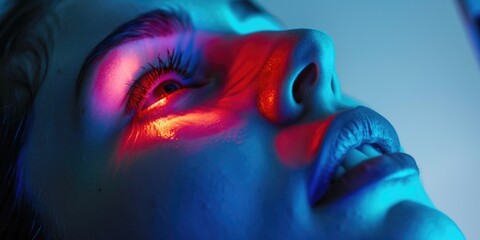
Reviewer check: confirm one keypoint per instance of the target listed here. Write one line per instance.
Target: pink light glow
(109, 89)
(117, 71)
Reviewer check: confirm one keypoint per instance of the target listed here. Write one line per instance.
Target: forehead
(88, 18)
(82, 24)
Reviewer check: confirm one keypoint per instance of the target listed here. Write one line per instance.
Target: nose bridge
(297, 76)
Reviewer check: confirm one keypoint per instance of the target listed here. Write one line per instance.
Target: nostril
(303, 82)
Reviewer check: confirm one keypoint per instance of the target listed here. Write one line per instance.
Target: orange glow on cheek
(143, 136)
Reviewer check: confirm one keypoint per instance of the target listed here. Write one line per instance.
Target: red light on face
(273, 81)
(144, 135)
(297, 146)
(249, 76)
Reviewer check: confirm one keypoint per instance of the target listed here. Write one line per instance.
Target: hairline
(26, 40)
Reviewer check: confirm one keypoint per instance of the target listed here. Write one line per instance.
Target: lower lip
(392, 166)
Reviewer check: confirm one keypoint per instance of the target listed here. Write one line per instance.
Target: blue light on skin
(252, 24)
(229, 184)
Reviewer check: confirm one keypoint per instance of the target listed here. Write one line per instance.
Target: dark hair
(25, 37)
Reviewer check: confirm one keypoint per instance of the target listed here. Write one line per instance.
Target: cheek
(173, 130)
(303, 150)
(197, 191)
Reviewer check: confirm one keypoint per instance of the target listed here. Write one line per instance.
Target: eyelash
(149, 80)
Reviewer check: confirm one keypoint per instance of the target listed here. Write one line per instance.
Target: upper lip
(349, 129)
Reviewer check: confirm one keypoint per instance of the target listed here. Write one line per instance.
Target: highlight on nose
(284, 95)
(296, 76)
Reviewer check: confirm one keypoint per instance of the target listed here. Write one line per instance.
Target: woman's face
(220, 126)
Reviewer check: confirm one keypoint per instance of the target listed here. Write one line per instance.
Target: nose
(298, 77)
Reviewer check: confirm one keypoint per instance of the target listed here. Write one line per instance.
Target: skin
(204, 163)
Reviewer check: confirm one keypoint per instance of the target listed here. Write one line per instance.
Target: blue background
(412, 61)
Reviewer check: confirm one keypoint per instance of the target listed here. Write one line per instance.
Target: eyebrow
(156, 23)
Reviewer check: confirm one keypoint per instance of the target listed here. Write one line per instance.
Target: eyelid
(158, 23)
(151, 78)
(111, 77)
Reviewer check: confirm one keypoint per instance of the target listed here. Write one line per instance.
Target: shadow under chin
(412, 220)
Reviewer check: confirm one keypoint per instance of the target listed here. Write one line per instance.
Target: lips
(359, 148)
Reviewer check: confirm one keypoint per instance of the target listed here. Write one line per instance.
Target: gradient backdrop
(413, 62)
